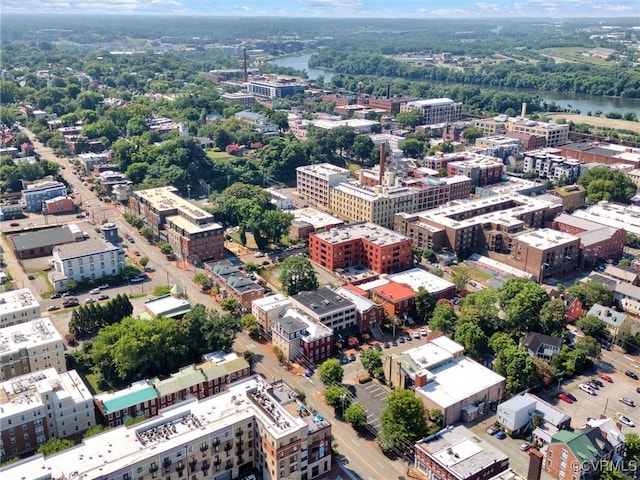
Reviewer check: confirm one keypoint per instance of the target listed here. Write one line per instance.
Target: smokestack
(383, 158)
(535, 464)
(388, 91)
(523, 114)
(244, 64)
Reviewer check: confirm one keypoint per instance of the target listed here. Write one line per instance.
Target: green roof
(216, 370)
(125, 398)
(183, 379)
(578, 442)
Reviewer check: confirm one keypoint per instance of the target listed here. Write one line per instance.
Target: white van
(3, 278)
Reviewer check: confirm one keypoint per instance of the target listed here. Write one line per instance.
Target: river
(575, 101)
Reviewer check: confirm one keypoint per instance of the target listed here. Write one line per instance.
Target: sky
(337, 8)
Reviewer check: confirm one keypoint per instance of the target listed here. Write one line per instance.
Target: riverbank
(600, 122)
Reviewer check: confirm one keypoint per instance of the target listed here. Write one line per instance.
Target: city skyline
(336, 8)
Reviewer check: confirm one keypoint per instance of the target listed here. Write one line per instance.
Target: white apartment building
(326, 306)
(253, 426)
(30, 347)
(314, 182)
(90, 259)
(553, 133)
(268, 309)
(613, 215)
(37, 192)
(548, 163)
(18, 306)
(40, 406)
(435, 110)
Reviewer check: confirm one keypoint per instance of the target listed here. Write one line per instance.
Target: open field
(574, 54)
(601, 122)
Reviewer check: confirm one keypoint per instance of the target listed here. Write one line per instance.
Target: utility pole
(189, 192)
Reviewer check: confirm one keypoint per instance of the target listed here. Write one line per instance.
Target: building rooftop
(110, 452)
(272, 302)
(86, 247)
(317, 218)
(165, 200)
(168, 306)
(459, 450)
(21, 394)
(362, 303)
(369, 232)
(352, 122)
(233, 277)
(431, 102)
(323, 170)
(419, 277)
(545, 238)
(322, 301)
(395, 291)
(609, 316)
(626, 217)
(577, 222)
(16, 300)
(293, 320)
(41, 238)
(28, 335)
(372, 194)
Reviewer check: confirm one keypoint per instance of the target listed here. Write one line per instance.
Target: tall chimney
(524, 110)
(383, 158)
(535, 464)
(244, 64)
(388, 91)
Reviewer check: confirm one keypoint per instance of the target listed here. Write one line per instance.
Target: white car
(627, 401)
(416, 334)
(423, 332)
(94, 291)
(626, 421)
(586, 388)
(258, 254)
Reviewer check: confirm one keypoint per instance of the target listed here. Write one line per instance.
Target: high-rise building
(435, 110)
(314, 182)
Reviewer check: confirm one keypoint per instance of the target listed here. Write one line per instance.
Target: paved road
(364, 457)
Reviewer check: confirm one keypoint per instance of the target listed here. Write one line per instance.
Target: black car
(597, 382)
(352, 357)
(571, 396)
(394, 343)
(103, 297)
(386, 345)
(55, 295)
(344, 360)
(631, 374)
(593, 385)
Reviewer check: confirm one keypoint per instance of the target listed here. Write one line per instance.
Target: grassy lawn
(272, 275)
(251, 243)
(217, 155)
(574, 54)
(473, 273)
(91, 380)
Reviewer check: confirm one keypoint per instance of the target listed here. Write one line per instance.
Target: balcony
(153, 468)
(239, 432)
(205, 465)
(239, 451)
(166, 463)
(239, 442)
(204, 447)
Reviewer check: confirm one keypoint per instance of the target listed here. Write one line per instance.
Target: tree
(591, 292)
(143, 261)
(200, 278)
(298, 275)
(591, 326)
(471, 336)
(330, 372)
(536, 421)
(460, 278)
(356, 416)
(444, 319)
(590, 346)
(521, 299)
(54, 445)
(632, 451)
(402, 420)
(602, 183)
(250, 323)
(552, 317)
(413, 148)
(336, 396)
(436, 416)
(165, 248)
(277, 351)
(425, 303)
(230, 305)
(371, 360)
(362, 147)
(518, 368)
(146, 232)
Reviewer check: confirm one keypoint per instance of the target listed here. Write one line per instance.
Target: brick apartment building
(192, 232)
(365, 244)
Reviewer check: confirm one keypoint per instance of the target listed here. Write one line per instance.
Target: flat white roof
(166, 303)
(28, 335)
(274, 301)
(323, 170)
(353, 122)
(458, 380)
(362, 303)
(367, 231)
(431, 102)
(418, 277)
(190, 421)
(317, 218)
(16, 300)
(626, 217)
(544, 238)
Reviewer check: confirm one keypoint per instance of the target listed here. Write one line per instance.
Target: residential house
(397, 299)
(615, 322)
(542, 346)
(301, 338)
(369, 313)
(572, 305)
(230, 280)
(515, 414)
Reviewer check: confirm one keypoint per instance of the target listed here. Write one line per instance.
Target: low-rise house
(301, 338)
(572, 305)
(268, 309)
(230, 280)
(615, 322)
(147, 397)
(57, 205)
(34, 194)
(397, 299)
(455, 454)
(515, 414)
(542, 346)
(171, 305)
(623, 274)
(369, 313)
(579, 453)
(443, 378)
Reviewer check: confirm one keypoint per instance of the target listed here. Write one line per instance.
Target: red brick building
(368, 312)
(231, 281)
(364, 244)
(59, 205)
(395, 298)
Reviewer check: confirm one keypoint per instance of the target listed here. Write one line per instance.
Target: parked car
(136, 253)
(501, 435)
(586, 388)
(631, 374)
(605, 377)
(386, 345)
(407, 337)
(103, 297)
(423, 332)
(565, 398)
(525, 447)
(378, 347)
(51, 308)
(55, 295)
(258, 255)
(626, 421)
(30, 276)
(416, 334)
(401, 339)
(15, 224)
(70, 302)
(492, 430)
(352, 357)
(89, 300)
(69, 293)
(597, 382)
(137, 280)
(344, 360)
(394, 343)
(593, 385)
(571, 396)
(103, 286)
(94, 291)
(627, 401)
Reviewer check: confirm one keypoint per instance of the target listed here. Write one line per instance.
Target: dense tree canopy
(602, 183)
(403, 420)
(298, 275)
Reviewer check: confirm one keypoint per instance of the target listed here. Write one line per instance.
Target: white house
(516, 413)
(81, 261)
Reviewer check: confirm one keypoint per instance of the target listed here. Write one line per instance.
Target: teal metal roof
(129, 398)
